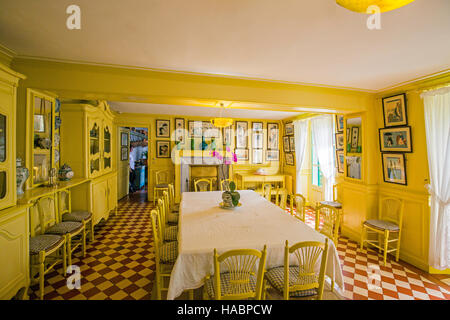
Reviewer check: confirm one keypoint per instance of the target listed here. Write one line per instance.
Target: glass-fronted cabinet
(106, 147)
(3, 181)
(41, 130)
(94, 148)
(354, 147)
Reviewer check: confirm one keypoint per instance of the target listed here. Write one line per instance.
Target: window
(316, 174)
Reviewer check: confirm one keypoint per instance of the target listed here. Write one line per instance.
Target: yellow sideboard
(243, 179)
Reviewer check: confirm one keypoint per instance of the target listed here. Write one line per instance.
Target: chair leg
(41, 274)
(362, 237)
(69, 249)
(84, 239)
(92, 230)
(64, 256)
(158, 287)
(386, 239)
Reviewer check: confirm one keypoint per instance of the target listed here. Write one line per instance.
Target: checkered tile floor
(119, 265)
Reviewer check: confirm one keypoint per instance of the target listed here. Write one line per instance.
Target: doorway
(133, 163)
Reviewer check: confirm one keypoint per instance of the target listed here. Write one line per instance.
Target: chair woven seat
(275, 276)
(65, 227)
(171, 233)
(333, 204)
(382, 225)
(162, 185)
(169, 252)
(77, 216)
(225, 285)
(172, 218)
(44, 242)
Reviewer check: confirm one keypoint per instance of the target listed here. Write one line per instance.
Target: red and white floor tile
(119, 265)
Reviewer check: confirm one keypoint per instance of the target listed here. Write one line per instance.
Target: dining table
(204, 226)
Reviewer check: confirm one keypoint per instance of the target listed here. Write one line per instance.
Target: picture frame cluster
(289, 144)
(340, 142)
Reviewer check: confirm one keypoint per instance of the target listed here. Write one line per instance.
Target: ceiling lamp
(221, 122)
(362, 5)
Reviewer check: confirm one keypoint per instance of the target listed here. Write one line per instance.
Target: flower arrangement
(230, 197)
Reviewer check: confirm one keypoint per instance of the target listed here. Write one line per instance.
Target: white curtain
(300, 135)
(322, 134)
(437, 126)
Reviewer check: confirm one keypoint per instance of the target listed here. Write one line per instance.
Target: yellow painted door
(112, 192)
(123, 175)
(7, 158)
(100, 200)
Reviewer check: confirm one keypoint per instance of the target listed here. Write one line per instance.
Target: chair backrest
(161, 209)
(154, 217)
(166, 199)
(171, 195)
(242, 267)
(267, 191)
(281, 198)
(335, 193)
(309, 276)
(330, 224)
(48, 212)
(201, 185)
(64, 202)
(391, 209)
(162, 176)
(224, 184)
(298, 202)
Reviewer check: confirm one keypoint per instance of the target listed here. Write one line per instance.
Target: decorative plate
(229, 208)
(56, 139)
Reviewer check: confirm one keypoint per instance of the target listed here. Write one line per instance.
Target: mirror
(354, 147)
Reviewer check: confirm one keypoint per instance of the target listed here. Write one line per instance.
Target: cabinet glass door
(3, 182)
(94, 148)
(106, 148)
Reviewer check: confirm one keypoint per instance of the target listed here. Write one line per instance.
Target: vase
(65, 173)
(22, 175)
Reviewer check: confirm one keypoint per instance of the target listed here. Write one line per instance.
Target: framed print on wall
(124, 139)
(396, 139)
(227, 132)
(241, 134)
(349, 137)
(289, 128)
(355, 137)
(292, 143)
(258, 140)
(163, 128)
(394, 111)
(340, 161)
(289, 157)
(195, 129)
(241, 154)
(286, 145)
(179, 130)
(162, 149)
(257, 156)
(394, 168)
(339, 141)
(339, 123)
(273, 155)
(257, 126)
(272, 136)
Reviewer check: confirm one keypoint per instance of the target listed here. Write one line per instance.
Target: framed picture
(227, 136)
(289, 159)
(124, 153)
(257, 156)
(394, 111)
(348, 136)
(394, 168)
(292, 143)
(257, 126)
(195, 129)
(340, 161)
(355, 137)
(289, 128)
(209, 130)
(179, 130)
(396, 139)
(272, 136)
(340, 141)
(286, 145)
(39, 123)
(258, 140)
(163, 128)
(273, 155)
(241, 154)
(163, 149)
(124, 139)
(241, 134)
(339, 123)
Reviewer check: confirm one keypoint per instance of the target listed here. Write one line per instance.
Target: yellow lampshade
(222, 122)
(362, 5)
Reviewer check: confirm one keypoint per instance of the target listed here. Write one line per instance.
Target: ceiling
(132, 107)
(302, 41)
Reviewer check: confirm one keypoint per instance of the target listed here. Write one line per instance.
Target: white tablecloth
(203, 226)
